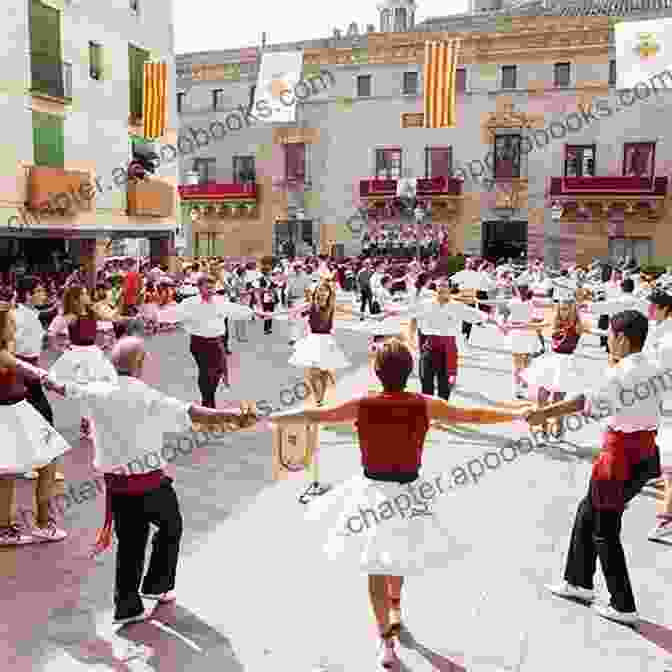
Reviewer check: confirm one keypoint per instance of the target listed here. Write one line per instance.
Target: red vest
(392, 429)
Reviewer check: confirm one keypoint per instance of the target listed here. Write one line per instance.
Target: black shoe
(228, 352)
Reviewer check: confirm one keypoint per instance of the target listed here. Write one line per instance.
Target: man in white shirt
(629, 400)
(131, 419)
(204, 318)
(435, 325)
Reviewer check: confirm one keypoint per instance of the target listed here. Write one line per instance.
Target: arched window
(385, 21)
(400, 19)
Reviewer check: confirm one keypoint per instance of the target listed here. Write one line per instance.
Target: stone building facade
(547, 157)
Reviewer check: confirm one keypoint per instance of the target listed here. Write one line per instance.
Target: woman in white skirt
(84, 362)
(557, 374)
(392, 427)
(28, 443)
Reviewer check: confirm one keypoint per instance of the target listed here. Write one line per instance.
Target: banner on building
(279, 74)
(154, 100)
(643, 52)
(439, 90)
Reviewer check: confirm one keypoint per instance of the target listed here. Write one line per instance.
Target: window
(206, 168)
(562, 74)
(180, 102)
(364, 86)
(400, 19)
(639, 159)
(438, 162)
(410, 83)
(388, 163)
(136, 62)
(253, 90)
(639, 249)
(217, 99)
(612, 73)
(507, 156)
(48, 72)
(460, 80)
(95, 61)
(295, 162)
(580, 161)
(509, 77)
(243, 170)
(48, 140)
(134, 5)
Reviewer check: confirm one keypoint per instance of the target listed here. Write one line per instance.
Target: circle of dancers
(416, 317)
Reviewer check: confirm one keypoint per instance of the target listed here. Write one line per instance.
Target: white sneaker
(162, 598)
(30, 475)
(625, 617)
(133, 619)
(14, 536)
(661, 530)
(49, 533)
(567, 590)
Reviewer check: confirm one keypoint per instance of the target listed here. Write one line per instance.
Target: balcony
(50, 77)
(59, 191)
(151, 198)
(375, 187)
(633, 195)
(219, 192)
(439, 186)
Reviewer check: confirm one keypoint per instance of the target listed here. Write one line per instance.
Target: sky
(209, 25)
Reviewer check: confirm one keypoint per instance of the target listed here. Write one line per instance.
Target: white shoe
(660, 531)
(14, 535)
(567, 590)
(30, 475)
(49, 533)
(162, 598)
(133, 619)
(625, 617)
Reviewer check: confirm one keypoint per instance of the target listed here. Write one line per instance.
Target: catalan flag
(154, 100)
(440, 71)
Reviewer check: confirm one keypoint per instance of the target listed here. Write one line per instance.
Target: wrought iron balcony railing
(50, 76)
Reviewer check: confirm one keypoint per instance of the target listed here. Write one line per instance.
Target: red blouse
(392, 429)
(12, 387)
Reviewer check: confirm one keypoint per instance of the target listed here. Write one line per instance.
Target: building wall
(351, 131)
(96, 124)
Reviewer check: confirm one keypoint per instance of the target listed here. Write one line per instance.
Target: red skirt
(445, 347)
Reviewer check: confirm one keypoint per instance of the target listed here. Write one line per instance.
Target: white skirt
(556, 373)
(396, 537)
(27, 440)
(523, 341)
(319, 351)
(83, 364)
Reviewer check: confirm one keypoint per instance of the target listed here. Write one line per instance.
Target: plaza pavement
(255, 592)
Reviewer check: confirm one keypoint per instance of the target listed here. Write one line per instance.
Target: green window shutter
(136, 64)
(45, 30)
(48, 140)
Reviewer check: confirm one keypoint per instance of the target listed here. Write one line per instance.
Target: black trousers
(211, 362)
(36, 398)
(132, 517)
(225, 338)
(433, 371)
(597, 534)
(367, 299)
(268, 324)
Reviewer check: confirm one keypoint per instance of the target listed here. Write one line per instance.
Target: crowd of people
(415, 311)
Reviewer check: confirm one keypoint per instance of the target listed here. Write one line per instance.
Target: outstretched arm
(442, 410)
(346, 412)
(212, 418)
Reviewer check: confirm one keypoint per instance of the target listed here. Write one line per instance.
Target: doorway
(504, 239)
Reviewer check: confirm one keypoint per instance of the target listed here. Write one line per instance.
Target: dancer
(433, 332)
(659, 350)
(203, 318)
(29, 442)
(392, 427)
(133, 418)
(629, 459)
(556, 373)
(84, 362)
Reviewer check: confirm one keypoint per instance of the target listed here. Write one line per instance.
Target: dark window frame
(556, 79)
(650, 143)
(215, 92)
(298, 177)
(460, 72)
(208, 162)
(361, 78)
(613, 72)
(510, 69)
(388, 169)
(405, 89)
(580, 148)
(428, 159)
(238, 169)
(181, 95)
(95, 60)
(514, 160)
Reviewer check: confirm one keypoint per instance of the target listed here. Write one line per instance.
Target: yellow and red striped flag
(440, 73)
(154, 100)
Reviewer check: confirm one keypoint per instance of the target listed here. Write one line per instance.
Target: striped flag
(440, 70)
(154, 100)
(248, 55)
